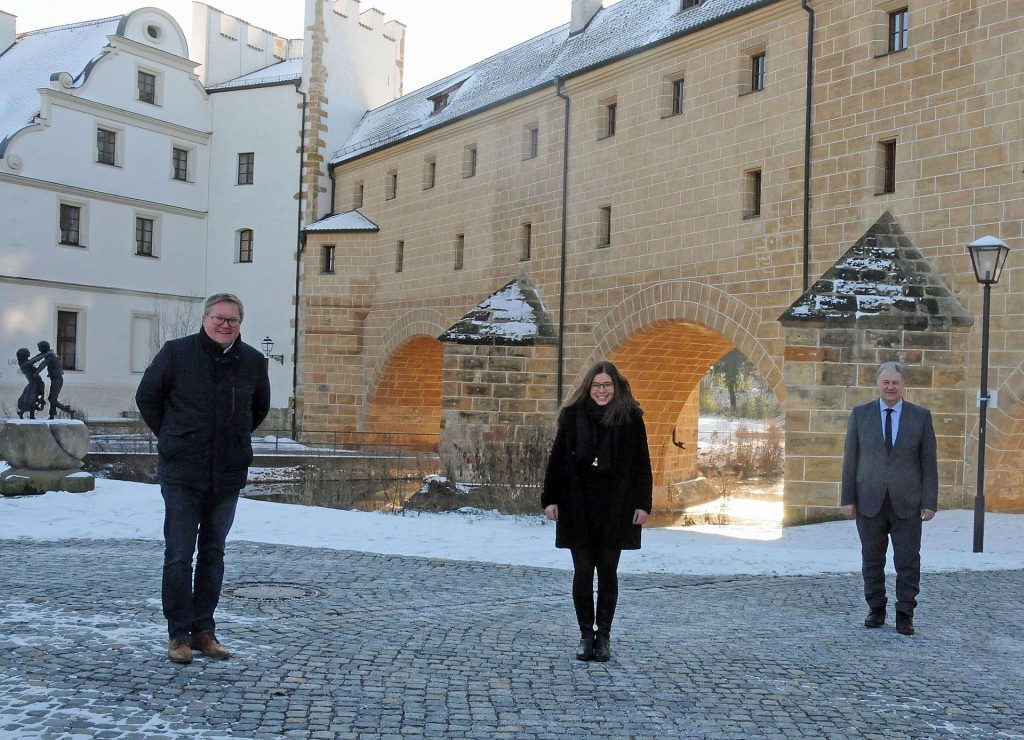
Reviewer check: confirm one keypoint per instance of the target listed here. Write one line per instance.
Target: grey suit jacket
(909, 473)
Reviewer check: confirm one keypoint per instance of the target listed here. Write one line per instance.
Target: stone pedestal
(44, 455)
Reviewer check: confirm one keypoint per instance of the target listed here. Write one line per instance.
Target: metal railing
(279, 442)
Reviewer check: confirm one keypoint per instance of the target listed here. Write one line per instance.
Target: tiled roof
(882, 281)
(349, 221)
(282, 73)
(37, 56)
(616, 31)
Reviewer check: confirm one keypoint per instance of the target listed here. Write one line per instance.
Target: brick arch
(406, 400)
(690, 302)
(1004, 443)
(420, 322)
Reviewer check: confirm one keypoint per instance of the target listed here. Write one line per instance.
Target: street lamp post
(988, 255)
(268, 347)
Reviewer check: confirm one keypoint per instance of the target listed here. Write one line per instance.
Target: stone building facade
(672, 186)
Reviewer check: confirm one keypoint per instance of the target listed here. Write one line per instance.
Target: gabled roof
(619, 30)
(287, 72)
(882, 281)
(37, 57)
(342, 222)
(513, 315)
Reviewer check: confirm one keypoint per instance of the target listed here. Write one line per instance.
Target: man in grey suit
(890, 485)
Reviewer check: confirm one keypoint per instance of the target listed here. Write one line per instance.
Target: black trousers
(875, 533)
(585, 561)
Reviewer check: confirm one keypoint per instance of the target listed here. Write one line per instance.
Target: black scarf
(594, 440)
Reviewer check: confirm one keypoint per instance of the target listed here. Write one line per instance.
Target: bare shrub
(752, 454)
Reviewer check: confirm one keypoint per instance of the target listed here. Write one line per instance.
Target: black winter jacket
(565, 484)
(202, 404)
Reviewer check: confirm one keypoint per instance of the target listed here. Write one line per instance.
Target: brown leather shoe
(179, 650)
(207, 644)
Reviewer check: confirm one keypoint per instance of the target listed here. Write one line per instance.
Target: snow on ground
(122, 510)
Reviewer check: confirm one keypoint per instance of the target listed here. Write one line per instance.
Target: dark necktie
(888, 430)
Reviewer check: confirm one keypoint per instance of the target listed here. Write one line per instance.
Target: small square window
(71, 225)
(106, 146)
(246, 165)
(327, 259)
(179, 164)
(147, 87)
(604, 236)
(899, 35)
(144, 236)
(245, 245)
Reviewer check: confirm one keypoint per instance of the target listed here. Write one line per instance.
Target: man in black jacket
(202, 396)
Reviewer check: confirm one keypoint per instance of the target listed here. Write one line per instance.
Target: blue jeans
(194, 514)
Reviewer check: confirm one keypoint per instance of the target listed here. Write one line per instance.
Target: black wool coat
(203, 404)
(565, 484)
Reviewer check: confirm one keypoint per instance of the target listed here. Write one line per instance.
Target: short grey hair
(894, 366)
(224, 298)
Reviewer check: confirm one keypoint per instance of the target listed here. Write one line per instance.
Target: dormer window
(441, 99)
(684, 4)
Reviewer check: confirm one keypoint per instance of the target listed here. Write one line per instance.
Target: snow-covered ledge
(44, 456)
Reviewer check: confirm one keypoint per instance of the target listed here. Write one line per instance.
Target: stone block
(44, 444)
(21, 481)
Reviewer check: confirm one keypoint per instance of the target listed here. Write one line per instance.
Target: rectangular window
(246, 165)
(604, 236)
(689, 4)
(527, 242)
(757, 67)
(147, 87)
(889, 166)
(144, 236)
(67, 339)
(179, 164)
(400, 256)
(327, 259)
(611, 110)
(245, 245)
(898, 31)
(469, 161)
(460, 251)
(753, 193)
(357, 195)
(70, 225)
(677, 97)
(391, 186)
(106, 146)
(143, 337)
(531, 144)
(429, 173)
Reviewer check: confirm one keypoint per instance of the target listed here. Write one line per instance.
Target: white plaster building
(134, 181)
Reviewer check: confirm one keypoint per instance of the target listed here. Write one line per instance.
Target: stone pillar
(45, 455)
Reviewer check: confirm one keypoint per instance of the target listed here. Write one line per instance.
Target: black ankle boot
(602, 647)
(585, 651)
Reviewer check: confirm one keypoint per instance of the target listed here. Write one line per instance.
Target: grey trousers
(875, 533)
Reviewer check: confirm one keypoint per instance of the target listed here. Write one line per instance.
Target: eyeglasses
(601, 386)
(218, 320)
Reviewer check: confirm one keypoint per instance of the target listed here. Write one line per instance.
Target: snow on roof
(349, 221)
(884, 279)
(513, 315)
(282, 73)
(36, 57)
(618, 30)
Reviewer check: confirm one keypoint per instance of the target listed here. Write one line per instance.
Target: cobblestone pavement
(352, 645)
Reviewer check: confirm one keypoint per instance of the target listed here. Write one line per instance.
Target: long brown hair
(622, 408)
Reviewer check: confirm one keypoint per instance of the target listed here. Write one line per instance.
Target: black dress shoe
(602, 648)
(904, 623)
(875, 618)
(585, 651)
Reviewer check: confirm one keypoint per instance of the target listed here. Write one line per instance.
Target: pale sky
(442, 36)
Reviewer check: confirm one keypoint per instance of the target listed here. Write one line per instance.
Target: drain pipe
(300, 246)
(809, 114)
(565, 217)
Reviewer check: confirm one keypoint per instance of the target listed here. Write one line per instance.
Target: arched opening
(405, 406)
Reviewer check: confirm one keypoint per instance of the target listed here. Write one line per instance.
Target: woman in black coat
(598, 489)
